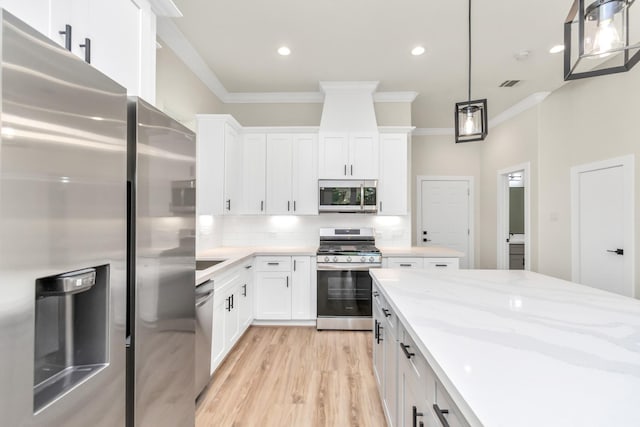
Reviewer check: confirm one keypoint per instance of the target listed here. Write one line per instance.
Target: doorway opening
(514, 218)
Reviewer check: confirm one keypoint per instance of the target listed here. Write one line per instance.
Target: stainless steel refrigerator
(161, 354)
(63, 174)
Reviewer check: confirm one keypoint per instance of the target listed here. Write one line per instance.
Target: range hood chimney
(348, 107)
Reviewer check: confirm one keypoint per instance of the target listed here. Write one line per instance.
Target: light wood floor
(294, 376)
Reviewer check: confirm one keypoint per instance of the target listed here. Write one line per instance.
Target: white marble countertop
(233, 256)
(519, 349)
(421, 251)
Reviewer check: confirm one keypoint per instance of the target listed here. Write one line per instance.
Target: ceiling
(372, 39)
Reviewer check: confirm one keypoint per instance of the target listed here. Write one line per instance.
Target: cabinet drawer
(410, 354)
(276, 263)
(441, 263)
(448, 410)
(413, 262)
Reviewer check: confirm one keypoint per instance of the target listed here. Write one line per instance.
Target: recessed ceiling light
(417, 51)
(557, 48)
(284, 51)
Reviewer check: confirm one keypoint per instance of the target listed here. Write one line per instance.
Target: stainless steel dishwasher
(204, 330)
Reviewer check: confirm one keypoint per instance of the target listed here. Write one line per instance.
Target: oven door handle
(346, 267)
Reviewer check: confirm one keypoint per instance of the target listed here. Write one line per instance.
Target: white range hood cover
(348, 107)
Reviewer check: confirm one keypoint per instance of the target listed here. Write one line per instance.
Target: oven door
(344, 292)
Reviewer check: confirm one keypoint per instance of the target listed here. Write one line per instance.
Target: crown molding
(519, 107)
(173, 38)
(165, 8)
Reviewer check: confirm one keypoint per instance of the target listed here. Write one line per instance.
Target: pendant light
(597, 39)
(471, 122)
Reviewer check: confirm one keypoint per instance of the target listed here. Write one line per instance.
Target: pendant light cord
(469, 97)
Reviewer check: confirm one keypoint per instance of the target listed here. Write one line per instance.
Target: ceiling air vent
(509, 83)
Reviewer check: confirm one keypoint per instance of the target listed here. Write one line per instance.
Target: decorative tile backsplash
(259, 230)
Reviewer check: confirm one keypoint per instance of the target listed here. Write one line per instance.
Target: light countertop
(233, 256)
(519, 349)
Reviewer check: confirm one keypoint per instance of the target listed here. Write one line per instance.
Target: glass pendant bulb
(606, 39)
(469, 125)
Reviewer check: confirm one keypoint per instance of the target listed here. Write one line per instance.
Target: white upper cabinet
(348, 156)
(305, 174)
(117, 37)
(232, 171)
(279, 174)
(392, 185)
(217, 149)
(292, 174)
(254, 155)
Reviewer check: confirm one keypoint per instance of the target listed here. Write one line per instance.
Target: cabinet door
(218, 339)
(254, 156)
(279, 173)
(232, 171)
(209, 166)
(245, 299)
(301, 288)
(273, 296)
(363, 156)
(390, 386)
(392, 184)
(378, 348)
(414, 407)
(305, 175)
(333, 156)
(114, 33)
(232, 318)
(35, 13)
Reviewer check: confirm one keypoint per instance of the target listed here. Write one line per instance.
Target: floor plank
(294, 376)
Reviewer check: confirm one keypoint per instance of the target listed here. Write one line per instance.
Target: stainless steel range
(344, 258)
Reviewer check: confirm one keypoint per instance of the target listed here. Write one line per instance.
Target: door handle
(294, 265)
(244, 290)
(380, 328)
(440, 413)
(287, 281)
(67, 36)
(616, 251)
(405, 351)
(261, 205)
(345, 170)
(386, 312)
(351, 170)
(229, 204)
(87, 50)
(416, 414)
(288, 206)
(294, 205)
(426, 240)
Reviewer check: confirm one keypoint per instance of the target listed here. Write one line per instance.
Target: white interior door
(601, 229)
(445, 217)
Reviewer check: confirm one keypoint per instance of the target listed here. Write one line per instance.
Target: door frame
(470, 181)
(502, 214)
(628, 194)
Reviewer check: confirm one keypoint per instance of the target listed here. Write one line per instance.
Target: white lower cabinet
(283, 288)
(411, 394)
(232, 311)
(385, 349)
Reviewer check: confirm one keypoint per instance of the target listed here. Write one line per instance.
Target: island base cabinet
(390, 395)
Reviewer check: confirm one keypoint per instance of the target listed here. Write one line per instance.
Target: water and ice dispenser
(71, 331)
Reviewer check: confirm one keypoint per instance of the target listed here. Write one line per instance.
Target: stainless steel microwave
(356, 196)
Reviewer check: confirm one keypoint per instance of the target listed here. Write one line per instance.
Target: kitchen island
(508, 348)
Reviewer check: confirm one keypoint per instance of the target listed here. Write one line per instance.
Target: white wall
(438, 155)
(584, 121)
(179, 92)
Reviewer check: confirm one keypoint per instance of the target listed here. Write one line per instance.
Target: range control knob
(326, 259)
(363, 259)
(370, 259)
(348, 259)
(335, 259)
